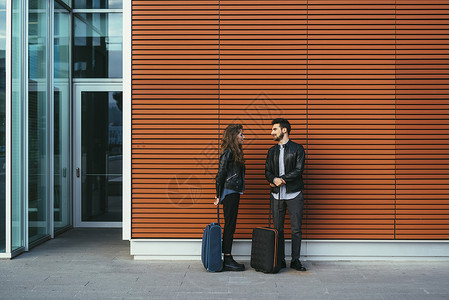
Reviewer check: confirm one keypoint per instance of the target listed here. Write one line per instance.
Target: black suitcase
(265, 250)
(265, 256)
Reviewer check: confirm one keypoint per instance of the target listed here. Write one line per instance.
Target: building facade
(114, 111)
(61, 99)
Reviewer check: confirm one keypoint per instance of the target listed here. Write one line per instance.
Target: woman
(230, 183)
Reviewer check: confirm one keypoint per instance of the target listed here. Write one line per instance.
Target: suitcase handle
(218, 214)
(269, 217)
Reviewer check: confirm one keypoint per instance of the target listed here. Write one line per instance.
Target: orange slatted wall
(364, 84)
(263, 51)
(422, 119)
(351, 127)
(175, 124)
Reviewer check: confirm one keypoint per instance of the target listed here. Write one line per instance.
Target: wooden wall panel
(364, 83)
(422, 119)
(174, 116)
(351, 96)
(262, 77)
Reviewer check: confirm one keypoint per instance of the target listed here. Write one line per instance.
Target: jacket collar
(285, 145)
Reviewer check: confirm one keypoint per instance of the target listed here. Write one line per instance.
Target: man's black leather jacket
(230, 174)
(294, 158)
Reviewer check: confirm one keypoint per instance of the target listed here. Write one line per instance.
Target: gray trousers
(295, 209)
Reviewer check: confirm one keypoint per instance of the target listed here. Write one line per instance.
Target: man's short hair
(283, 123)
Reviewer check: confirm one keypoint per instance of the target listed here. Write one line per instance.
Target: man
(283, 170)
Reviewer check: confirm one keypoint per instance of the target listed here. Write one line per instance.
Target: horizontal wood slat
(365, 85)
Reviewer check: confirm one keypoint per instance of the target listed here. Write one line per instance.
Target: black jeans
(295, 209)
(230, 209)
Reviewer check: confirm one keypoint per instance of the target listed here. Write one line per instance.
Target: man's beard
(279, 137)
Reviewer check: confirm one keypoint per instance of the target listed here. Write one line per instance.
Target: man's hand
(279, 181)
(217, 200)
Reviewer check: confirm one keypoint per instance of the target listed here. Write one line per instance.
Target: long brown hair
(229, 140)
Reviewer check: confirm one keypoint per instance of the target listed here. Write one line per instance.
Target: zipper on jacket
(227, 179)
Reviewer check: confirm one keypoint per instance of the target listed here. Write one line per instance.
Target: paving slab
(95, 264)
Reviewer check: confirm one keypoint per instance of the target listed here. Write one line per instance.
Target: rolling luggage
(211, 246)
(265, 256)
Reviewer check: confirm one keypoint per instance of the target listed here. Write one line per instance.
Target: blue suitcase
(211, 246)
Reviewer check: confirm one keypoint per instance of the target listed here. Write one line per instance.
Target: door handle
(77, 172)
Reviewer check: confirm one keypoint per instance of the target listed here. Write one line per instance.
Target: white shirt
(283, 188)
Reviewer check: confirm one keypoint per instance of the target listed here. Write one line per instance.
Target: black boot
(296, 264)
(230, 264)
(283, 264)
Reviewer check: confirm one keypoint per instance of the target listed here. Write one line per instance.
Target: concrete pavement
(95, 264)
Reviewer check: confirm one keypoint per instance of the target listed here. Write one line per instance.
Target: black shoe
(283, 264)
(296, 264)
(230, 264)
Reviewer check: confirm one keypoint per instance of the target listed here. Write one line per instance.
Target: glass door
(98, 154)
(62, 121)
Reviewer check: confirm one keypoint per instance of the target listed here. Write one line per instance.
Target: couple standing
(283, 170)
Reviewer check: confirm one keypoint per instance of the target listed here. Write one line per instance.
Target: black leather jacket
(294, 158)
(230, 174)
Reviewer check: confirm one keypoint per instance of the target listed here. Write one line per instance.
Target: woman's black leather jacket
(230, 174)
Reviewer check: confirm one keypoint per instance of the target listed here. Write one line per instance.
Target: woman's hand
(217, 200)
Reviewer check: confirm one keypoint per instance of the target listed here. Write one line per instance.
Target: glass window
(2, 124)
(17, 129)
(38, 128)
(97, 46)
(62, 169)
(98, 4)
(101, 156)
(68, 2)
